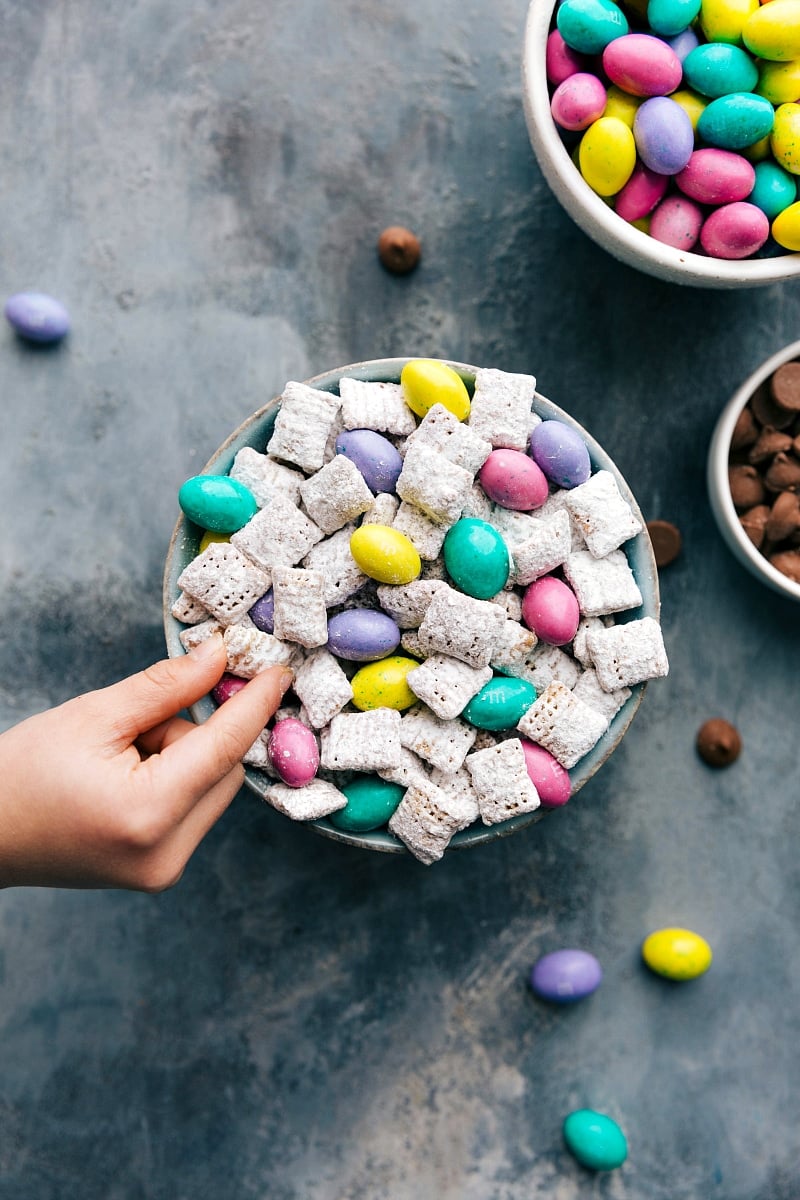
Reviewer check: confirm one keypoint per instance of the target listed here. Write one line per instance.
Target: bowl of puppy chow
(670, 131)
(458, 577)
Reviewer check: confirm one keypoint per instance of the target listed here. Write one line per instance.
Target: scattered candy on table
(37, 317)
(677, 954)
(703, 95)
(565, 976)
(718, 742)
(399, 249)
(596, 1141)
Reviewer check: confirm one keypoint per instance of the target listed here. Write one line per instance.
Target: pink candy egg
(228, 686)
(560, 60)
(642, 65)
(734, 231)
(293, 752)
(578, 101)
(513, 480)
(714, 176)
(641, 193)
(551, 610)
(677, 222)
(547, 775)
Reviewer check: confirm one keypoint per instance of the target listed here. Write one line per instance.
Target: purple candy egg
(37, 317)
(566, 975)
(262, 614)
(663, 134)
(362, 635)
(228, 686)
(375, 456)
(561, 453)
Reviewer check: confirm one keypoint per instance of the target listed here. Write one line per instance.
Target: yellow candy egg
(210, 536)
(691, 103)
(758, 151)
(607, 155)
(426, 382)
(677, 953)
(621, 105)
(385, 554)
(723, 20)
(779, 82)
(773, 31)
(383, 684)
(785, 136)
(786, 227)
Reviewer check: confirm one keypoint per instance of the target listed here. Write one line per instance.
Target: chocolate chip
(766, 411)
(667, 541)
(718, 742)
(768, 443)
(784, 517)
(746, 487)
(788, 563)
(745, 431)
(399, 250)
(783, 474)
(754, 523)
(785, 387)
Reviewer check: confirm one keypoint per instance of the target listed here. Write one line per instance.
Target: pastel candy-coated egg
(37, 317)
(786, 227)
(773, 31)
(774, 189)
(677, 222)
(723, 20)
(641, 193)
(262, 614)
(385, 554)
(716, 69)
(621, 105)
(759, 150)
(785, 136)
(691, 103)
(595, 1140)
(476, 558)
(293, 752)
(589, 25)
(550, 609)
(779, 82)
(514, 480)
(671, 17)
(734, 231)
(607, 155)
(217, 502)
(227, 686)
(561, 453)
(677, 953)
(565, 976)
(210, 537)
(736, 121)
(643, 65)
(561, 60)
(578, 101)
(362, 635)
(714, 176)
(376, 458)
(547, 775)
(664, 135)
(426, 382)
(500, 703)
(370, 803)
(682, 45)
(383, 684)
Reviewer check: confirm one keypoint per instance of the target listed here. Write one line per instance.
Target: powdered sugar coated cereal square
(602, 514)
(461, 626)
(602, 585)
(303, 425)
(250, 651)
(317, 799)
(265, 477)
(378, 406)
(563, 724)
(442, 432)
(279, 533)
(438, 487)
(322, 687)
(363, 741)
(425, 821)
(501, 407)
(299, 599)
(225, 581)
(589, 690)
(426, 536)
(336, 495)
(627, 654)
(447, 685)
(501, 781)
(407, 603)
(443, 744)
(341, 573)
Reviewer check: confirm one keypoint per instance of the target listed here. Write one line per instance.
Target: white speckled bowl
(255, 432)
(594, 216)
(717, 478)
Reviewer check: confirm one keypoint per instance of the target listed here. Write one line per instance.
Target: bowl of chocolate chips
(754, 472)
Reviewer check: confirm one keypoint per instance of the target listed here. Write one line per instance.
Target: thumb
(158, 692)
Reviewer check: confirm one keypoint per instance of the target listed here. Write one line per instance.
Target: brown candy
(667, 541)
(784, 517)
(785, 387)
(768, 443)
(399, 249)
(746, 486)
(718, 742)
(745, 431)
(788, 563)
(766, 411)
(783, 474)
(754, 523)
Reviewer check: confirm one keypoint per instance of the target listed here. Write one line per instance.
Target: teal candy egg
(596, 1141)
(500, 703)
(774, 189)
(589, 25)
(717, 69)
(671, 17)
(476, 558)
(370, 803)
(736, 121)
(217, 502)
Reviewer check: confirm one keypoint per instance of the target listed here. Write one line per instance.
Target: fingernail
(207, 649)
(286, 680)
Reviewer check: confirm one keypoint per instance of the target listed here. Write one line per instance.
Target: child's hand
(112, 789)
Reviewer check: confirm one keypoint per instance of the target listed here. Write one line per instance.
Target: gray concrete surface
(203, 186)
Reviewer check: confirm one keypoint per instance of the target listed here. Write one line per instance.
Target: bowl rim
(595, 217)
(719, 494)
(644, 567)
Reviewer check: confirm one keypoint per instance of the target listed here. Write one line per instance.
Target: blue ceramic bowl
(256, 432)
